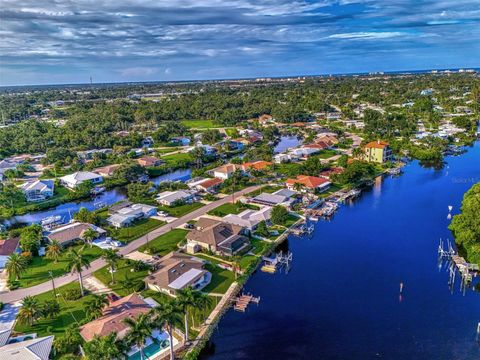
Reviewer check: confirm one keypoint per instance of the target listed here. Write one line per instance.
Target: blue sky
(67, 41)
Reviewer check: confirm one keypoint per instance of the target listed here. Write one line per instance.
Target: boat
(51, 220)
(97, 190)
(450, 207)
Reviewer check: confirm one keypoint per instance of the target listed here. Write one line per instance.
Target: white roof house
(38, 190)
(75, 179)
(272, 199)
(128, 214)
(169, 198)
(249, 218)
(34, 349)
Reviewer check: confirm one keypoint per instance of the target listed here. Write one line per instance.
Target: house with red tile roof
(255, 165)
(377, 151)
(326, 174)
(308, 183)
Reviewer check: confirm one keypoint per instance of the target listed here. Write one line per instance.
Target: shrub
(72, 294)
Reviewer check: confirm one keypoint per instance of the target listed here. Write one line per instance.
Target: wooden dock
(242, 302)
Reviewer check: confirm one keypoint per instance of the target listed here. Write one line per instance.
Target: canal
(341, 299)
(108, 197)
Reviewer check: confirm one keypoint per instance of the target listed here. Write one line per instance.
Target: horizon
(164, 41)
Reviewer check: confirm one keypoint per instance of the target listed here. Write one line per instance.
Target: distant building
(73, 180)
(7, 248)
(256, 165)
(181, 140)
(149, 161)
(38, 190)
(171, 198)
(224, 172)
(176, 271)
(107, 171)
(377, 152)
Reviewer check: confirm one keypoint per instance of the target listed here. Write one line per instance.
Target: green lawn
(231, 131)
(123, 271)
(229, 208)
(199, 124)
(37, 271)
(70, 312)
(291, 219)
(180, 210)
(140, 228)
(265, 189)
(221, 279)
(165, 243)
(166, 150)
(325, 154)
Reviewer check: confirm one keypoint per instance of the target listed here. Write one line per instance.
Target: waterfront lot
(230, 208)
(165, 243)
(180, 210)
(199, 124)
(141, 227)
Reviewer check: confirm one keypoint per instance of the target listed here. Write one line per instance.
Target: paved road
(19, 294)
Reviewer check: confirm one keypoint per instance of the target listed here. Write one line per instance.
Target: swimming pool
(151, 350)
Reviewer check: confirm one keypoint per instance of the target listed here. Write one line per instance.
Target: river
(108, 197)
(341, 298)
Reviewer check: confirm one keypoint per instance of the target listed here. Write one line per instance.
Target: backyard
(140, 227)
(229, 208)
(71, 311)
(180, 210)
(165, 243)
(37, 270)
(199, 124)
(221, 279)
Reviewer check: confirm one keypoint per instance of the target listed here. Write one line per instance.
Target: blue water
(341, 299)
(108, 197)
(285, 143)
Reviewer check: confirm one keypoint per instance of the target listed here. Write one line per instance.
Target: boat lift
(280, 261)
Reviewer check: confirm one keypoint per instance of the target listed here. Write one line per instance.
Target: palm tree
(111, 258)
(357, 153)
(30, 311)
(105, 348)
(198, 154)
(89, 235)
(190, 298)
(168, 313)
(236, 266)
(298, 186)
(76, 261)
(54, 250)
(16, 264)
(140, 329)
(94, 307)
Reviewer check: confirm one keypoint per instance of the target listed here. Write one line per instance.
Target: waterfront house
(377, 151)
(37, 348)
(107, 171)
(38, 190)
(308, 183)
(69, 233)
(283, 158)
(171, 198)
(180, 141)
(224, 172)
(256, 165)
(305, 151)
(327, 174)
(149, 161)
(273, 199)
(249, 219)
(111, 321)
(126, 215)
(73, 180)
(147, 142)
(209, 185)
(176, 271)
(7, 248)
(218, 237)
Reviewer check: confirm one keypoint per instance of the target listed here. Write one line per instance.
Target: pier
(242, 302)
(271, 265)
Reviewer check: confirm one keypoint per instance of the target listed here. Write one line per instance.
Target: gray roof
(35, 349)
(270, 198)
(285, 192)
(39, 185)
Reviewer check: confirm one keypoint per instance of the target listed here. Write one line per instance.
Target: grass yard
(175, 159)
(70, 312)
(221, 279)
(199, 124)
(291, 219)
(231, 131)
(37, 270)
(121, 274)
(165, 243)
(140, 228)
(180, 210)
(288, 169)
(230, 208)
(166, 150)
(325, 154)
(265, 189)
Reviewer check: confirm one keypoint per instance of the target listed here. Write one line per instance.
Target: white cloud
(139, 71)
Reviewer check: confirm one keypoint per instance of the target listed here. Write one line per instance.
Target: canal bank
(341, 298)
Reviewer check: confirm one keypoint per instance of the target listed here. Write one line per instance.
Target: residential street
(16, 295)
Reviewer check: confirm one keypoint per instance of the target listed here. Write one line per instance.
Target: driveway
(19, 294)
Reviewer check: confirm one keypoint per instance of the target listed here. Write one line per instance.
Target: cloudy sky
(67, 41)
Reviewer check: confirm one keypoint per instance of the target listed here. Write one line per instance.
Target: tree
(30, 311)
(190, 299)
(111, 258)
(139, 192)
(140, 329)
(262, 229)
(167, 313)
(54, 249)
(16, 264)
(51, 308)
(89, 235)
(30, 238)
(69, 342)
(85, 216)
(10, 195)
(279, 215)
(95, 306)
(76, 261)
(199, 155)
(105, 348)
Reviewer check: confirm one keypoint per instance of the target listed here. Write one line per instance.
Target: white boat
(97, 190)
(450, 207)
(51, 220)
